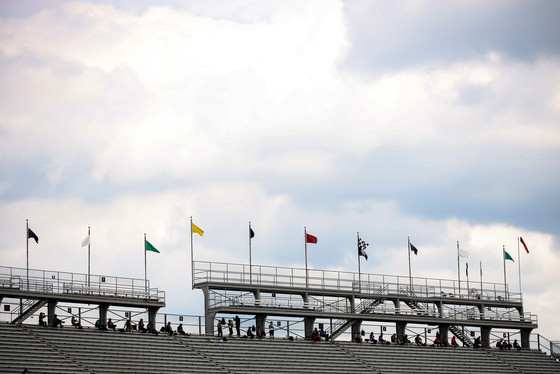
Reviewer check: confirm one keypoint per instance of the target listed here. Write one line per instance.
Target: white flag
(464, 254)
(85, 241)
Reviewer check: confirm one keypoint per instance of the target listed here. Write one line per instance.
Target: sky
(433, 120)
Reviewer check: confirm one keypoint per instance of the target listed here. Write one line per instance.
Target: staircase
(465, 338)
(341, 325)
(29, 307)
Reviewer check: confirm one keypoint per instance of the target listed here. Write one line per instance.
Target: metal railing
(346, 281)
(57, 282)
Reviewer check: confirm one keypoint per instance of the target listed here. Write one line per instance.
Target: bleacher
(71, 350)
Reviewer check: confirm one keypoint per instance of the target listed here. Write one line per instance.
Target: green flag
(150, 247)
(508, 257)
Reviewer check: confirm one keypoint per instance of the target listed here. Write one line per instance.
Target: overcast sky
(433, 120)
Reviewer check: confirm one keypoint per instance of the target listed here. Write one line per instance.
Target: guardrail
(58, 282)
(335, 280)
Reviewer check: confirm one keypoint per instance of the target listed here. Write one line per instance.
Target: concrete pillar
(526, 338)
(352, 301)
(152, 315)
(397, 306)
(209, 318)
(103, 313)
(485, 335)
(309, 323)
(356, 328)
(260, 321)
(439, 305)
(51, 311)
(401, 330)
(444, 332)
(257, 294)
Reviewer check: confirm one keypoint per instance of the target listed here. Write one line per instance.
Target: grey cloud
(395, 35)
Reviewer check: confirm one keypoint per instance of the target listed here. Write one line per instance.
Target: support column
(401, 330)
(444, 331)
(356, 328)
(309, 323)
(51, 311)
(260, 320)
(103, 314)
(352, 301)
(209, 318)
(439, 305)
(485, 335)
(397, 304)
(526, 338)
(152, 315)
(257, 294)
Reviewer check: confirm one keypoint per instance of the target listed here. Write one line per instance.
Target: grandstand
(340, 301)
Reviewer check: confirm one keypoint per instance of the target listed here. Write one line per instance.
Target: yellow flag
(196, 229)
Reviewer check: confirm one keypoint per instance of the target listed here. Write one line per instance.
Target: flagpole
(192, 257)
(359, 270)
(88, 258)
(409, 271)
(481, 279)
(306, 273)
(519, 264)
(467, 272)
(458, 268)
(505, 279)
(250, 261)
(145, 266)
(27, 243)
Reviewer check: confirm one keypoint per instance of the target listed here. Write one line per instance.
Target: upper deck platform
(77, 288)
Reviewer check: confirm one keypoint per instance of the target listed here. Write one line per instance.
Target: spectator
(230, 328)
(181, 331)
(478, 343)
(395, 340)
(418, 340)
(315, 336)
(220, 333)
(151, 329)
(42, 319)
(57, 322)
(100, 325)
(169, 329)
(506, 345)
(323, 334)
(238, 325)
(128, 326)
(111, 325)
(454, 342)
(260, 333)
(250, 333)
(516, 345)
(76, 323)
(437, 341)
(381, 340)
(271, 330)
(358, 338)
(405, 340)
(141, 327)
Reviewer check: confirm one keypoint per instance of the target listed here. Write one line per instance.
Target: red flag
(311, 239)
(524, 245)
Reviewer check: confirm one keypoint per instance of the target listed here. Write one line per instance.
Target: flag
(413, 249)
(251, 233)
(31, 234)
(86, 241)
(310, 239)
(508, 257)
(150, 247)
(198, 230)
(362, 248)
(524, 245)
(463, 253)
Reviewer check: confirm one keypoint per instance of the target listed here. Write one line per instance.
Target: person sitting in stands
(418, 340)
(437, 342)
(128, 325)
(381, 340)
(169, 329)
(516, 345)
(151, 328)
(111, 325)
(315, 336)
(405, 340)
(141, 327)
(250, 333)
(478, 343)
(454, 342)
(181, 331)
(372, 338)
(506, 345)
(260, 333)
(42, 319)
(100, 325)
(57, 321)
(323, 334)
(76, 323)
(358, 338)
(445, 342)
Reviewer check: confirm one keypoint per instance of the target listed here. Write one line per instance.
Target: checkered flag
(362, 248)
